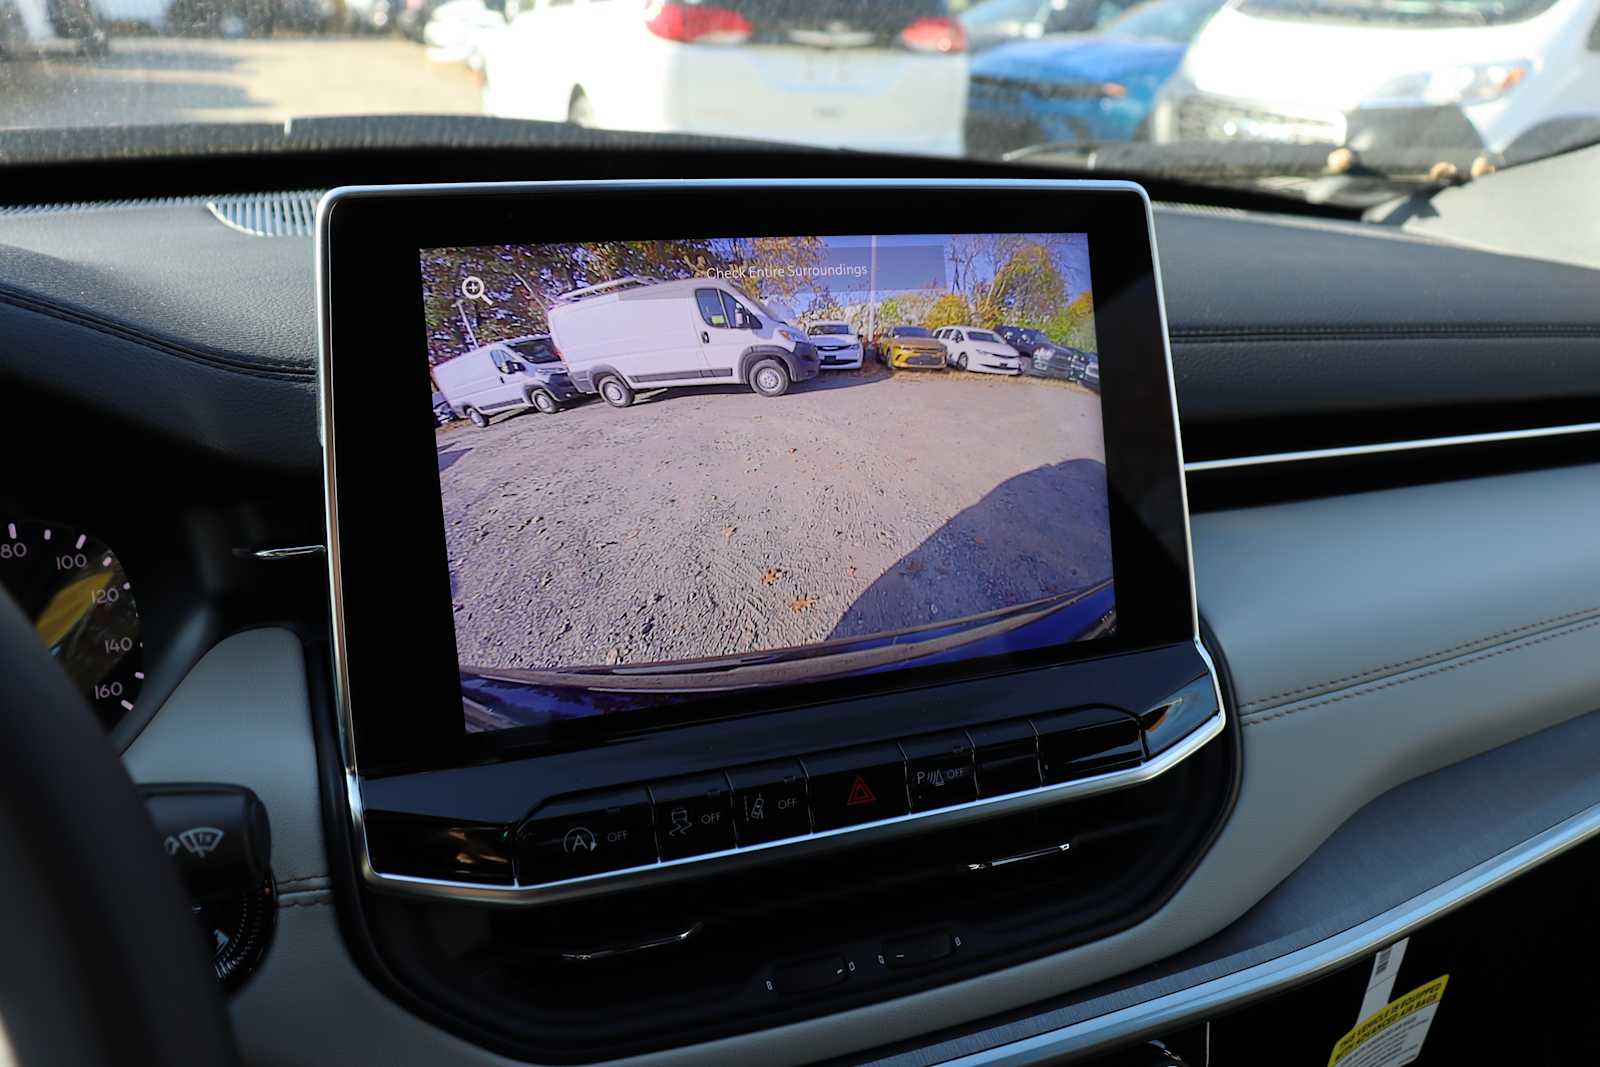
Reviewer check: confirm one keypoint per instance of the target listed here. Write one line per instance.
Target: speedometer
(81, 602)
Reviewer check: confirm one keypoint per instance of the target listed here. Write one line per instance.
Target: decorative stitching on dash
(1415, 660)
(317, 903)
(301, 880)
(1367, 690)
(275, 369)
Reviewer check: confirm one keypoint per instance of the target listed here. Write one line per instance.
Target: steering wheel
(101, 960)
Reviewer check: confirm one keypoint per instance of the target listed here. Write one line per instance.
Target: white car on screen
(890, 75)
(838, 347)
(1507, 75)
(981, 351)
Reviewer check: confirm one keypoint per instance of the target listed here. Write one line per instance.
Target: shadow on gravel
(823, 382)
(1040, 533)
(448, 457)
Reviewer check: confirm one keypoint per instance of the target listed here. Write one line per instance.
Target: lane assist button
(769, 802)
(586, 834)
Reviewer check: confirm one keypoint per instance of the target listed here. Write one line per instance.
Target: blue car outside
(1088, 88)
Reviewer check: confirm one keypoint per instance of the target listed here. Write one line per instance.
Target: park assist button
(769, 802)
(693, 815)
(856, 785)
(586, 834)
(939, 770)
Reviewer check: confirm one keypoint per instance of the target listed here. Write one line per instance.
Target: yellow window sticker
(1392, 1035)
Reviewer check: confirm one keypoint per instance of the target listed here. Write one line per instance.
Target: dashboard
(1389, 476)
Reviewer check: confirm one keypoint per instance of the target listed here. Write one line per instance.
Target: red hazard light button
(857, 785)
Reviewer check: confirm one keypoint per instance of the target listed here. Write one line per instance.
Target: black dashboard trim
(62, 312)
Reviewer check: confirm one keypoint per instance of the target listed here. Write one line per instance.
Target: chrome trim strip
(788, 848)
(1384, 447)
(1187, 1006)
(611, 953)
(291, 552)
(672, 869)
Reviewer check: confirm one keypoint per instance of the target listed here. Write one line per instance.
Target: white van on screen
(640, 333)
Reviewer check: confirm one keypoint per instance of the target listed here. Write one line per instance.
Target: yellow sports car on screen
(910, 348)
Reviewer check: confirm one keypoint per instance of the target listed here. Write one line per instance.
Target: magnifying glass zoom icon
(472, 288)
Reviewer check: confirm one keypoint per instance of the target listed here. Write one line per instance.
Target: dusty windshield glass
(1404, 12)
(1442, 80)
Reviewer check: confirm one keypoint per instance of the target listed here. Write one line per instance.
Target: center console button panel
(789, 799)
(760, 803)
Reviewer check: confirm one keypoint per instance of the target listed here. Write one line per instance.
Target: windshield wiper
(1314, 173)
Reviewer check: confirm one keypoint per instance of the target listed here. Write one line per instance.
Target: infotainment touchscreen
(676, 467)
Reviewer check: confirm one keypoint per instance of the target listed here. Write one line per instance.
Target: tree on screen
(787, 269)
(1027, 290)
(951, 309)
(521, 282)
(1073, 325)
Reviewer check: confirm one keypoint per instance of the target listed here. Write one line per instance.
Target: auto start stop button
(586, 835)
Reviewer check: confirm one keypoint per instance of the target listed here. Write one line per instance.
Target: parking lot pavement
(712, 521)
(155, 79)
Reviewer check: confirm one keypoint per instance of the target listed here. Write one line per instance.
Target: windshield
(1173, 21)
(982, 335)
(1184, 91)
(1401, 12)
(834, 328)
(910, 331)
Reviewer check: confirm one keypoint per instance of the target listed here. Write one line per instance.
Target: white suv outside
(974, 349)
(1372, 73)
(887, 76)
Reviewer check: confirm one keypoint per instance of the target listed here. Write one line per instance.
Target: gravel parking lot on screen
(710, 521)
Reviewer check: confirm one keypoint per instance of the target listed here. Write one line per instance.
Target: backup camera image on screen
(673, 468)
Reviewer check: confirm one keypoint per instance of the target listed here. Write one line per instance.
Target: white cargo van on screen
(524, 372)
(640, 333)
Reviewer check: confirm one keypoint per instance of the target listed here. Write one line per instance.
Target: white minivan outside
(523, 372)
(1381, 74)
(641, 333)
(886, 75)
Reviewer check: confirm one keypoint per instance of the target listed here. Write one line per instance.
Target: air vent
(257, 214)
(268, 214)
(79, 207)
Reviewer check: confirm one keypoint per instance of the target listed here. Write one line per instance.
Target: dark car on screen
(1045, 358)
